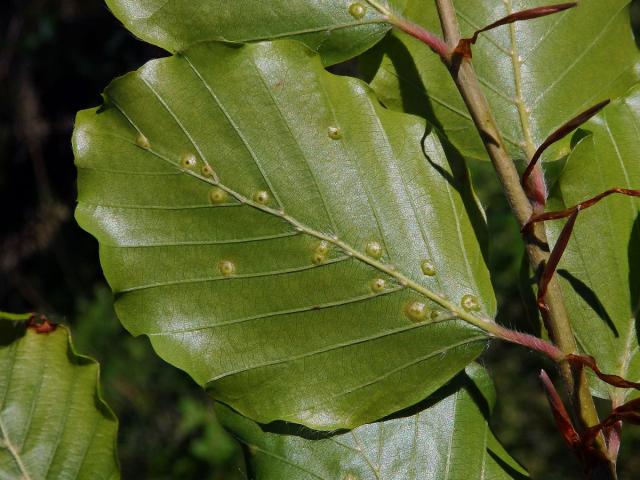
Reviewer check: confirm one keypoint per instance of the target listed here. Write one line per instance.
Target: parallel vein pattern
(445, 438)
(53, 423)
(537, 74)
(319, 174)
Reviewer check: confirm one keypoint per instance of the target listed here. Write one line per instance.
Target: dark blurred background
(56, 56)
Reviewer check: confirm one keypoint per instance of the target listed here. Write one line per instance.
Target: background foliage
(55, 56)
(54, 422)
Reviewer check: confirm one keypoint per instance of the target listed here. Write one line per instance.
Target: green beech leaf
(536, 74)
(242, 196)
(53, 421)
(334, 28)
(446, 436)
(599, 271)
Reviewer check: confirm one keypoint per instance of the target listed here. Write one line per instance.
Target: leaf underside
(282, 338)
(599, 271)
(53, 422)
(536, 74)
(325, 26)
(446, 436)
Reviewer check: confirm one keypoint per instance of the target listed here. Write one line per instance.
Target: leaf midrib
(375, 468)
(328, 28)
(13, 450)
(293, 33)
(452, 108)
(484, 323)
(15, 454)
(523, 109)
(283, 459)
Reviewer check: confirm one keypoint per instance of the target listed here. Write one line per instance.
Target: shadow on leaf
(634, 271)
(11, 331)
(590, 297)
(459, 382)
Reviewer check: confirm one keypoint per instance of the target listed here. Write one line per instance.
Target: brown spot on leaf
(41, 324)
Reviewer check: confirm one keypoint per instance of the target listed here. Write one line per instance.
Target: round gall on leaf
(227, 268)
(374, 250)
(357, 10)
(261, 197)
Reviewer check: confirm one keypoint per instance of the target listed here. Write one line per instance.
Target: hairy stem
(434, 42)
(556, 319)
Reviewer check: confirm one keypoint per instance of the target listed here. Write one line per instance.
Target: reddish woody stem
(523, 205)
(435, 43)
(534, 343)
(556, 320)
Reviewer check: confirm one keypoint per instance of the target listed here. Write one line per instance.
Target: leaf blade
(327, 27)
(280, 314)
(599, 279)
(53, 420)
(444, 437)
(533, 73)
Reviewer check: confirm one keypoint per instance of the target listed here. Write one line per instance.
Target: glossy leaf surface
(53, 421)
(267, 287)
(335, 28)
(599, 271)
(446, 436)
(536, 74)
